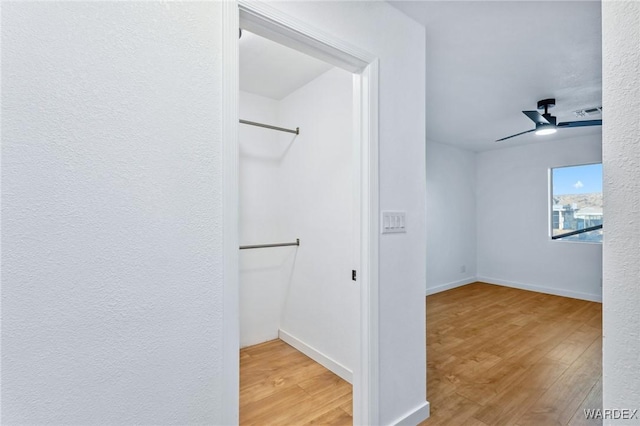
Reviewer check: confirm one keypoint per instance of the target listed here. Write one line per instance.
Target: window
(576, 203)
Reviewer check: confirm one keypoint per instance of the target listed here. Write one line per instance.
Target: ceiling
(272, 70)
(488, 61)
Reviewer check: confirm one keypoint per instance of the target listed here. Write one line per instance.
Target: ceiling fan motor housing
(546, 103)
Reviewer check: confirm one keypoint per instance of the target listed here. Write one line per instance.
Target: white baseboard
(548, 290)
(417, 415)
(449, 286)
(317, 356)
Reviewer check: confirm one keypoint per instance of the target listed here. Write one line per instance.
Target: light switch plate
(393, 222)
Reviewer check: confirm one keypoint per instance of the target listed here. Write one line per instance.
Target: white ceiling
(488, 61)
(272, 70)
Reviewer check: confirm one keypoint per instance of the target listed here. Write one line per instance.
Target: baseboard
(417, 415)
(449, 286)
(317, 356)
(548, 290)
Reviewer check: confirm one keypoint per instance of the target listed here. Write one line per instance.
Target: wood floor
(502, 356)
(281, 386)
(495, 356)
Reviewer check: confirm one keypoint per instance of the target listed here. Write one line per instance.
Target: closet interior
(298, 204)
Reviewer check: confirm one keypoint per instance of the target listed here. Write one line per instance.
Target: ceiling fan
(546, 123)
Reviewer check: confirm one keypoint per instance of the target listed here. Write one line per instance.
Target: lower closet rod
(254, 246)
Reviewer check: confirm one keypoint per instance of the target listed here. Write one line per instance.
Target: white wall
(300, 187)
(399, 43)
(317, 205)
(111, 208)
(621, 152)
(451, 217)
(112, 263)
(263, 272)
(514, 247)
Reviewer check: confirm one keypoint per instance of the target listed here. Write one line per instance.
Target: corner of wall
(451, 217)
(450, 285)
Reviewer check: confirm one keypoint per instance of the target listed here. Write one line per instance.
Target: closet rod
(297, 243)
(267, 126)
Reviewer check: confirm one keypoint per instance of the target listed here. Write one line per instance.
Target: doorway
(298, 211)
(261, 20)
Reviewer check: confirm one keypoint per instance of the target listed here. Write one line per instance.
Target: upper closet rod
(267, 126)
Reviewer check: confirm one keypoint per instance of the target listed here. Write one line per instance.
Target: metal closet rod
(255, 246)
(268, 126)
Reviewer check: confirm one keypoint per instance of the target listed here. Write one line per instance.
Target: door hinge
(353, 275)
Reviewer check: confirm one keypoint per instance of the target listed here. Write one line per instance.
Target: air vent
(589, 112)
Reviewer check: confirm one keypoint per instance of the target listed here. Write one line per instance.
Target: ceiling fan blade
(583, 123)
(517, 134)
(536, 117)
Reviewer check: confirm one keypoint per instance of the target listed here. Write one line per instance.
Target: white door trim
(266, 21)
(366, 374)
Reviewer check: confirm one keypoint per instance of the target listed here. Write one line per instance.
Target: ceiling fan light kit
(545, 129)
(546, 124)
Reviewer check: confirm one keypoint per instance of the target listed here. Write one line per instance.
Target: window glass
(576, 203)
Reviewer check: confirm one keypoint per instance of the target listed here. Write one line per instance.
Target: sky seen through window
(586, 179)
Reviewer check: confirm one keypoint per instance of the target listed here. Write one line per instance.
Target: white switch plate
(393, 222)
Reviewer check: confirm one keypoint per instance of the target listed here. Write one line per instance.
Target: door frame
(266, 21)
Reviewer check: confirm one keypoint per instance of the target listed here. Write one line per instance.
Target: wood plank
(453, 410)
(275, 408)
(322, 403)
(495, 356)
(540, 366)
(281, 379)
(570, 349)
(561, 401)
(494, 381)
(508, 405)
(337, 416)
(591, 402)
(348, 407)
(281, 386)
(325, 383)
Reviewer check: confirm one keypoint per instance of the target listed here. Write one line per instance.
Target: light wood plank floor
(502, 356)
(495, 356)
(281, 386)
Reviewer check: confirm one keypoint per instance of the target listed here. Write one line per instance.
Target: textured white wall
(514, 247)
(451, 217)
(317, 204)
(621, 165)
(399, 43)
(111, 208)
